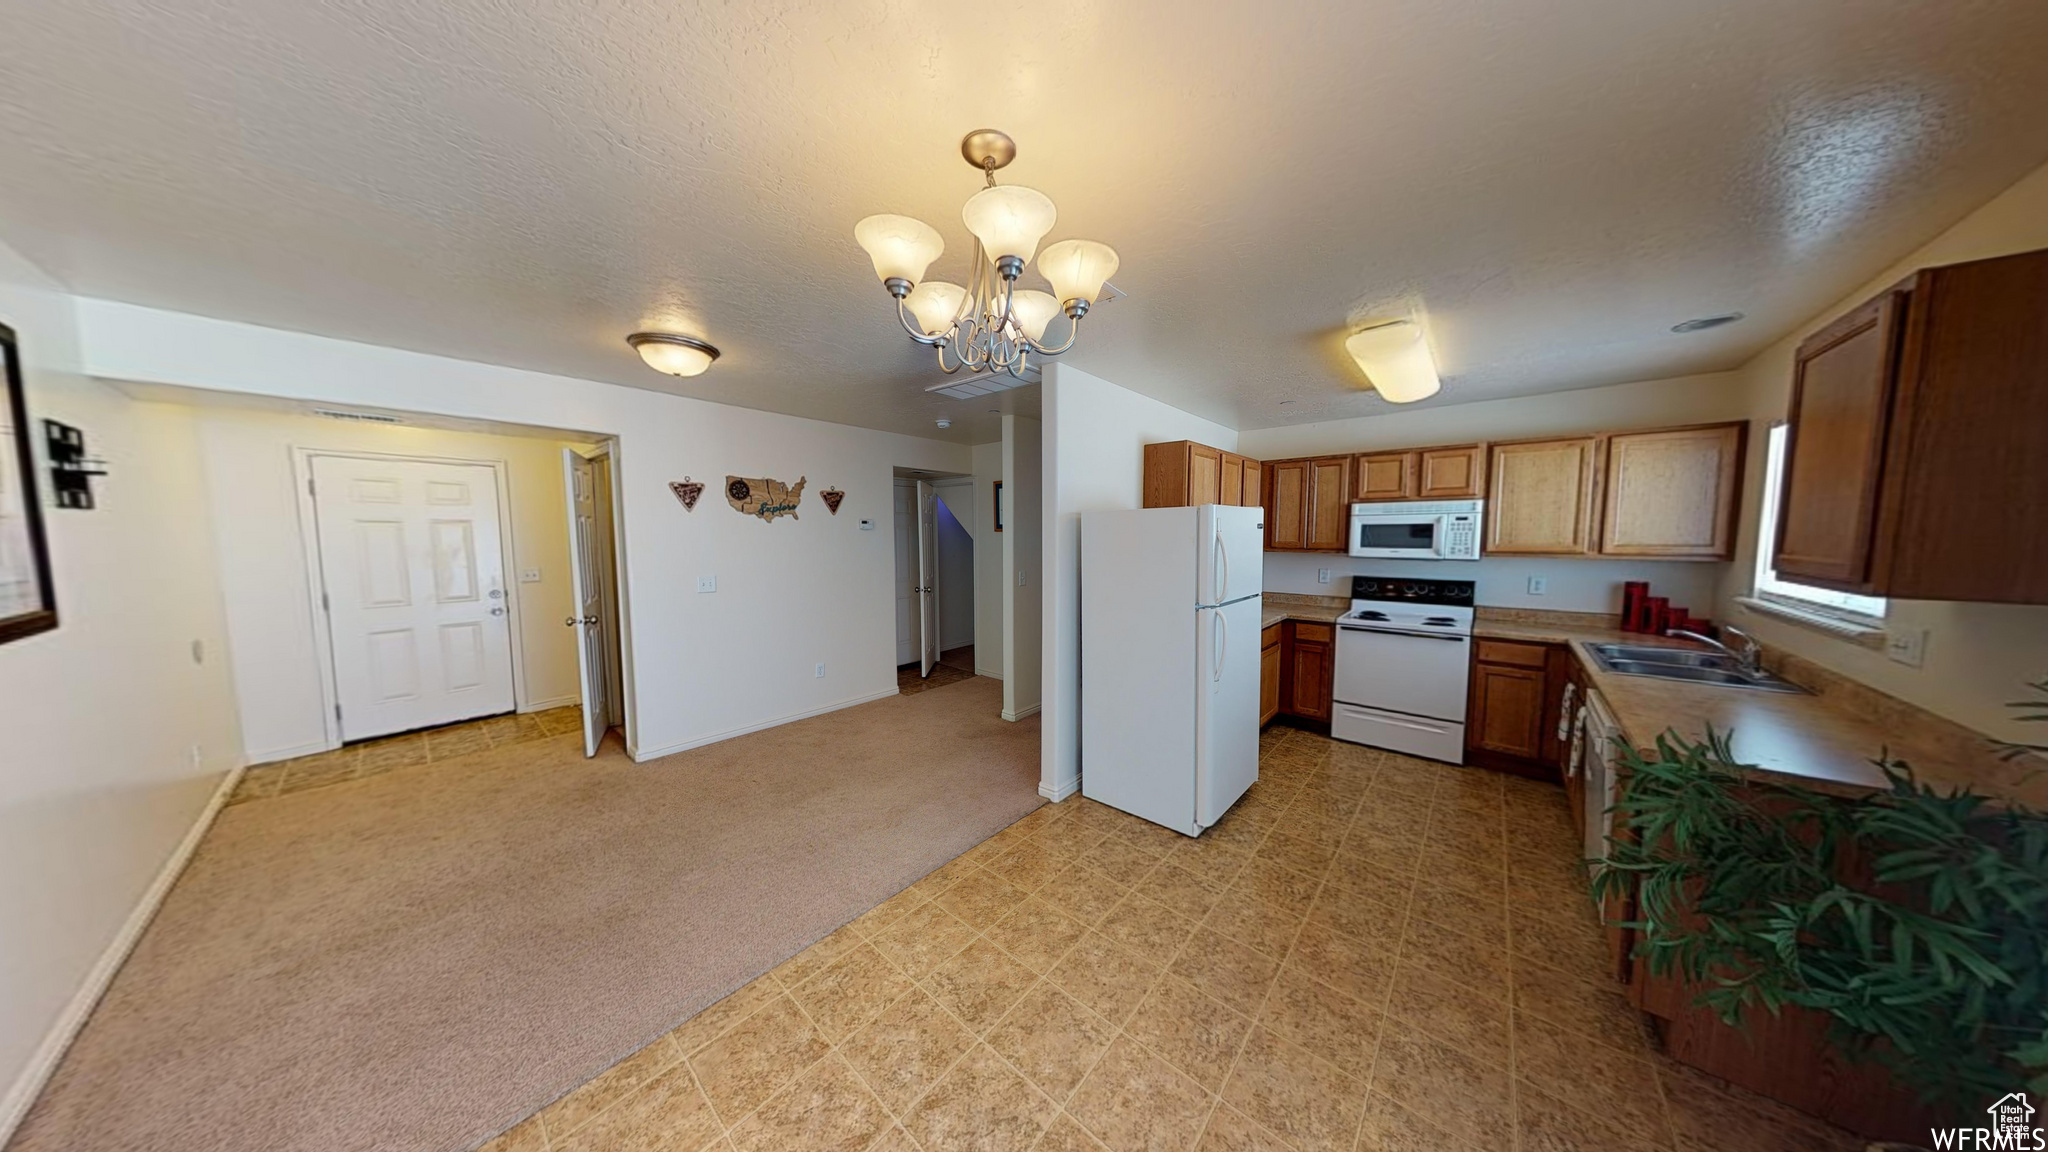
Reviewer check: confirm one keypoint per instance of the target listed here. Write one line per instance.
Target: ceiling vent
(966, 386)
(358, 417)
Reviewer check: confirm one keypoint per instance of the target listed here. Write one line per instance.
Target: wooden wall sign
(832, 497)
(687, 491)
(764, 498)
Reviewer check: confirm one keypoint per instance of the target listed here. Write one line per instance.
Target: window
(1768, 586)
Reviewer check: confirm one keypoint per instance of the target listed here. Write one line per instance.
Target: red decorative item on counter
(1656, 610)
(1633, 593)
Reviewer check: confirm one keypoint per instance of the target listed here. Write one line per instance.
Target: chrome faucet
(1749, 658)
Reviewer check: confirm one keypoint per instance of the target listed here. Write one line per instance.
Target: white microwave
(1417, 529)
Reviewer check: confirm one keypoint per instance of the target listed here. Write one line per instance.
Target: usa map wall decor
(767, 499)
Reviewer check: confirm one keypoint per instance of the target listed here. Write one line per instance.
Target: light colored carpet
(418, 960)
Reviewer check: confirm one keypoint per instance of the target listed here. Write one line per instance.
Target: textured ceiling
(1552, 185)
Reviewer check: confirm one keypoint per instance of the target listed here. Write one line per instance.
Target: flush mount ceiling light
(675, 355)
(1706, 322)
(991, 325)
(1395, 358)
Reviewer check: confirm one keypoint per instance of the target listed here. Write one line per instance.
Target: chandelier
(991, 325)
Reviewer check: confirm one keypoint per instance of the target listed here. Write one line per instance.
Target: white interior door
(586, 560)
(412, 575)
(927, 577)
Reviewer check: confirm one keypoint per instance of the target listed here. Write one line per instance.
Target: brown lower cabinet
(1512, 711)
(1269, 674)
(1297, 662)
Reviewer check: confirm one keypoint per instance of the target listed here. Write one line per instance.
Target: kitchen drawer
(1512, 653)
(1320, 633)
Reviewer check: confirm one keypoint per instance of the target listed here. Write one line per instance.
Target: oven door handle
(1451, 636)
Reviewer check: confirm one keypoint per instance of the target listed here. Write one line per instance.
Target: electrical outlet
(707, 583)
(529, 575)
(1907, 646)
(820, 673)
(1322, 575)
(198, 756)
(1539, 585)
(1020, 578)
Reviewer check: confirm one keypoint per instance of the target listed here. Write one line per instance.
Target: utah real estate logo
(2011, 1127)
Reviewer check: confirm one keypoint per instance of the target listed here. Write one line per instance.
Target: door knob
(569, 623)
(590, 620)
(497, 611)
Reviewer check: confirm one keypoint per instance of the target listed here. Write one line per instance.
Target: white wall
(1571, 585)
(702, 666)
(115, 738)
(1023, 552)
(254, 505)
(1094, 459)
(988, 563)
(1978, 655)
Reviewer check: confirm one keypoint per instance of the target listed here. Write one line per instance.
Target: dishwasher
(1597, 751)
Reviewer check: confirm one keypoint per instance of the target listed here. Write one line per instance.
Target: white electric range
(1404, 660)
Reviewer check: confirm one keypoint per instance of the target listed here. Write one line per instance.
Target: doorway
(588, 480)
(935, 585)
(411, 563)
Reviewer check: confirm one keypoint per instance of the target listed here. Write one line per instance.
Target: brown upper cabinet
(1450, 473)
(1308, 506)
(1541, 497)
(1913, 461)
(1671, 493)
(1384, 476)
(1181, 473)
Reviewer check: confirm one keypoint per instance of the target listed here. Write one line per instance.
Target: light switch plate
(1907, 646)
(529, 575)
(1539, 585)
(820, 673)
(707, 583)
(1322, 575)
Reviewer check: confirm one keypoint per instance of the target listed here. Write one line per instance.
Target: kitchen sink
(1681, 657)
(1691, 667)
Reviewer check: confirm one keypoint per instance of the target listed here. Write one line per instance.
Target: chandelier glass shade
(991, 324)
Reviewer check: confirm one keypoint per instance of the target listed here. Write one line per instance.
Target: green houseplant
(1916, 919)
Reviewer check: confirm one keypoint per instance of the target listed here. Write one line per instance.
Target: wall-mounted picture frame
(999, 505)
(28, 597)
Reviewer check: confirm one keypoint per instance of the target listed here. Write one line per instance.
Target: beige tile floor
(411, 750)
(1369, 952)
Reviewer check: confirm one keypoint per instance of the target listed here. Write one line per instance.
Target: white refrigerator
(1170, 622)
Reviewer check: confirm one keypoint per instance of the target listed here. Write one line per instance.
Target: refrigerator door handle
(1222, 647)
(1222, 568)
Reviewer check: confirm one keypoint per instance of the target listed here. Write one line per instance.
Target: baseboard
(645, 754)
(22, 1093)
(553, 702)
(1020, 713)
(292, 753)
(1057, 794)
(991, 673)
